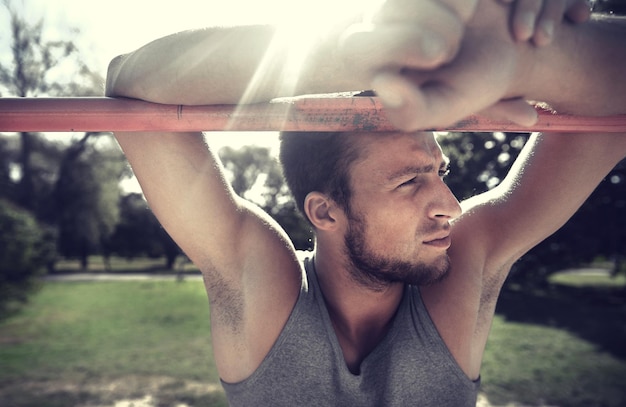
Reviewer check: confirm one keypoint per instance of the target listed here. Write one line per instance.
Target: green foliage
(257, 176)
(245, 166)
(610, 6)
(139, 233)
(479, 162)
(87, 196)
(36, 61)
(6, 184)
(597, 229)
(25, 250)
(38, 67)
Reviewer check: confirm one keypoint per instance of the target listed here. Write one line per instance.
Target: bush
(25, 249)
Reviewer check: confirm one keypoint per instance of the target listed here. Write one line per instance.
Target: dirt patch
(483, 401)
(128, 391)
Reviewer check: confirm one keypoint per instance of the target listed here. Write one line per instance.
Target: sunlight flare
(298, 30)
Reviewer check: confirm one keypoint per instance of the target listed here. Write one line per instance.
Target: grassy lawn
(537, 365)
(120, 265)
(564, 345)
(80, 333)
(94, 344)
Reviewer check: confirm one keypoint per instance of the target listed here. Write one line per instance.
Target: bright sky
(108, 28)
(112, 27)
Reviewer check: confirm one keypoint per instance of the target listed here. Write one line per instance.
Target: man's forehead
(377, 144)
(382, 154)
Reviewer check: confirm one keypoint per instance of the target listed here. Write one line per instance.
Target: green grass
(120, 265)
(562, 345)
(90, 332)
(538, 365)
(94, 343)
(589, 280)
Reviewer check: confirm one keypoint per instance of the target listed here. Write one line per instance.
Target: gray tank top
(411, 366)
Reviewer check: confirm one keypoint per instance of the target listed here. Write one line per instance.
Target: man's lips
(439, 242)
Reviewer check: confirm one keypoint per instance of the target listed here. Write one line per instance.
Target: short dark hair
(318, 161)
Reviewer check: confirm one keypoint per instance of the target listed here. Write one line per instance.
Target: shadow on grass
(595, 314)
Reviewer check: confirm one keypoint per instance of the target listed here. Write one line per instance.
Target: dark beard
(378, 272)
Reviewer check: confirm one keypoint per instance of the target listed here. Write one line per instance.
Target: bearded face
(376, 271)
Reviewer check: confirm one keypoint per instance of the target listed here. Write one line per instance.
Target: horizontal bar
(310, 113)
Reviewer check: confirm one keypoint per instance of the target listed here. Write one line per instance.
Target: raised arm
(251, 275)
(552, 177)
(581, 72)
(248, 263)
(224, 65)
(229, 65)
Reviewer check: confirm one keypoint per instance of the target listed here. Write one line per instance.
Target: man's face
(398, 221)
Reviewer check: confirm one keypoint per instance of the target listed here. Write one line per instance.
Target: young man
(396, 305)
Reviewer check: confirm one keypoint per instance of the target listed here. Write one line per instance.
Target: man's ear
(321, 211)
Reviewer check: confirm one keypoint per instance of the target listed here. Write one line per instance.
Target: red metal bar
(323, 113)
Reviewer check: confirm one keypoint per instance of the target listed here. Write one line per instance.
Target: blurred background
(99, 307)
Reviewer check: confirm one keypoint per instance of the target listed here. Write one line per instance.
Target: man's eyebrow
(410, 170)
(417, 169)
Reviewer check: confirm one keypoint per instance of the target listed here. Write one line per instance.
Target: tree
(139, 233)
(133, 235)
(30, 73)
(25, 249)
(257, 176)
(597, 230)
(479, 161)
(612, 6)
(245, 166)
(280, 204)
(86, 197)
(6, 184)
(73, 186)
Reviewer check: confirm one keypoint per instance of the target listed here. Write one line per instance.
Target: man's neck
(361, 317)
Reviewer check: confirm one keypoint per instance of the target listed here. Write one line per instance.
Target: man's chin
(439, 271)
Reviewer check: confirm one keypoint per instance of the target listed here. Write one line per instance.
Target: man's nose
(444, 204)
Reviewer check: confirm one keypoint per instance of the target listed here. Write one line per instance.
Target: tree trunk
(26, 186)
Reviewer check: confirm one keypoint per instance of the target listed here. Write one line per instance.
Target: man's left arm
(550, 180)
(581, 72)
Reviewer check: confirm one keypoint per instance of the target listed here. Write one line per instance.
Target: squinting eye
(444, 172)
(409, 182)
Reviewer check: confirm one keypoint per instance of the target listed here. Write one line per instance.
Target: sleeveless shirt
(411, 366)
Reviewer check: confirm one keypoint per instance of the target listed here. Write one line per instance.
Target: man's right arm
(248, 64)
(251, 275)
(219, 65)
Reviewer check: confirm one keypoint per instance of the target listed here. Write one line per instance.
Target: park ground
(142, 340)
